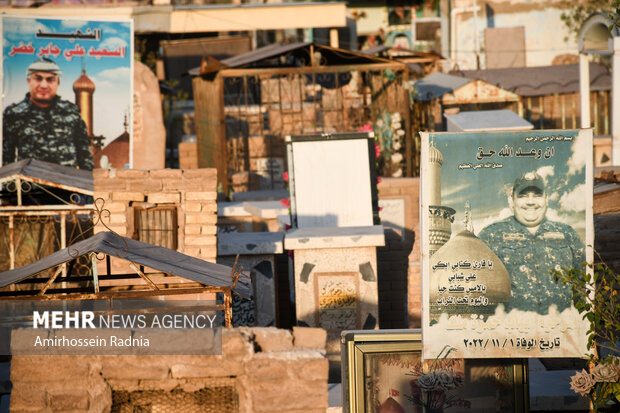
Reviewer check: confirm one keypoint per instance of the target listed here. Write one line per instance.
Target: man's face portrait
(530, 206)
(43, 87)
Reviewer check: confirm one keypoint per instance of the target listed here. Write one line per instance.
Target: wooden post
(228, 307)
(615, 103)
(11, 242)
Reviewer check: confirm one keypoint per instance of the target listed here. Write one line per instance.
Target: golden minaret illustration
(84, 89)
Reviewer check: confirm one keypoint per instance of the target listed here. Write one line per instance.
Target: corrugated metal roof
(540, 81)
(604, 187)
(256, 55)
(262, 53)
(50, 172)
(489, 120)
(438, 84)
(374, 50)
(333, 56)
(153, 256)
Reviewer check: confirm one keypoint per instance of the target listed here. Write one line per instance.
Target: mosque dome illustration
(83, 84)
(116, 153)
(466, 277)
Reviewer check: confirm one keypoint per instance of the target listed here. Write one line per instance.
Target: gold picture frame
(381, 371)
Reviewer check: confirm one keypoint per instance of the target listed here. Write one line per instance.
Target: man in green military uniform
(530, 246)
(43, 126)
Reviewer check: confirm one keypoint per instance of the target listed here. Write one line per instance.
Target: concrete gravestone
(334, 239)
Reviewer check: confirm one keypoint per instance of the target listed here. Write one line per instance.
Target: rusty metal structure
(170, 273)
(549, 95)
(48, 250)
(44, 207)
(247, 104)
(546, 96)
(420, 63)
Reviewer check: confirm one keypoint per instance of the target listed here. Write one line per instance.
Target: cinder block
(69, 399)
(132, 173)
(200, 240)
(209, 207)
(208, 253)
(145, 185)
(118, 218)
(118, 228)
(200, 196)
(202, 173)
(271, 339)
(266, 369)
(116, 207)
(215, 368)
(313, 369)
(208, 229)
(26, 397)
(309, 338)
(164, 197)
(192, 206)
(165, 173)
(191, 251)
(29, 369)
(236, 345)
(210, 219)
(101, 173)
(124, 368)
(128, 196)
(192, 229)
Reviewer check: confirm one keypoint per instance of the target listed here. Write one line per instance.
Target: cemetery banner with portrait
(67, 91)
(500, 211)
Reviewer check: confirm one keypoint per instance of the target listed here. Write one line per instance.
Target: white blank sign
(332, 183)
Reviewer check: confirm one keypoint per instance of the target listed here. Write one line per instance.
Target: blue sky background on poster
(111, 75)
(489, 190)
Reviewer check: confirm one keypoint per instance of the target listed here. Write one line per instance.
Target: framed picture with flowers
(383, 372)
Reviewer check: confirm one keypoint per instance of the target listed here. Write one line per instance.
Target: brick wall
(192, 192)
(272, 370)
(398, 263)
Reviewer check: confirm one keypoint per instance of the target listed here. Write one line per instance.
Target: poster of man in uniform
(67, 91)
(500, 211)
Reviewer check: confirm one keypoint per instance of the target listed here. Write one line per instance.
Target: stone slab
(392, 214)
(334, 237)
(232, 209)
(265, 209)
(262, 195)
(250, 243)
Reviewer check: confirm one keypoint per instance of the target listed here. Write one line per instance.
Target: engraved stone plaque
(337, 298)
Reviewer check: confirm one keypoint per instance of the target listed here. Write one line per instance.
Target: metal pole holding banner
(584, 90)
(598, 35)
(615, 102)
